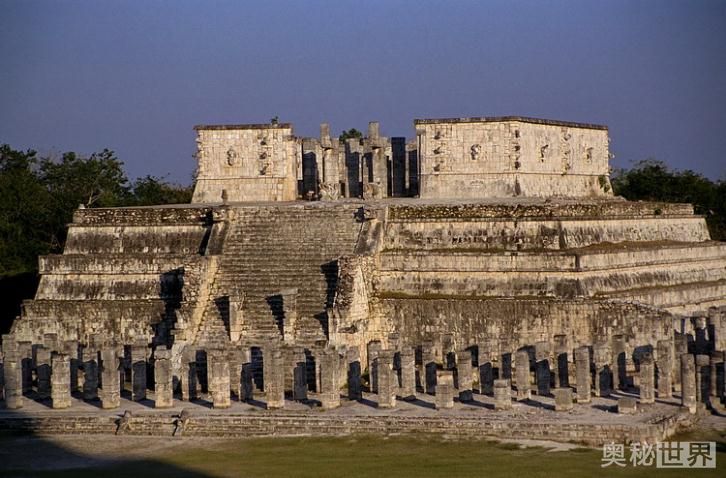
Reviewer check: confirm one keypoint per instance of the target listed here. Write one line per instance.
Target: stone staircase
(269, 249)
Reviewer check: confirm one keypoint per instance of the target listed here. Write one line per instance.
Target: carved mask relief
(231, 156)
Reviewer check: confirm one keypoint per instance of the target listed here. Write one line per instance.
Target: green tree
(350, 134)
(152, 190)
(24, 212)
(652, 180)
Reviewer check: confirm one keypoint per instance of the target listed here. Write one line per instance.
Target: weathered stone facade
(254, 297)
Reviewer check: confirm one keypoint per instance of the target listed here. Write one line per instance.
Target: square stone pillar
(582, 374)
(647, 378)
(329, 385)
(248, 387)
(464, 371)
(563, 399)
(90, 372)
(486, 369)
(188, 374)
(373, 348)
(703, 379)
(274, 377)
(110, 393)
(299, 375)
(521, 362)
(680, 347)
(42, 370)
(236, 316)
(70, 348)
(218, 377)
(25, 357)
(502, 395)
(664, 366)
(444, 389)
(163, 378)
(448, 355)
(355, 388)
(717, 374)
(542, 372)
(138, 372)
(61, 381)
(688, 382)
(289, 314)
(702, 342)
(561, 365)
(602, 357)
(13, 370)
(428, 356)
(619, 362)
(387, 380)
(408, 373)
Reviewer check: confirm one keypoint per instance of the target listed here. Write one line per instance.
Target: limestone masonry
(488, 254)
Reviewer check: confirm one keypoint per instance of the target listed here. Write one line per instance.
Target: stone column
(486, 370)
(717, 370)
(444, 389)
(619, 362)
(521, 362)
(680, 347)
(13, 369)
(355, 389)
(688, 382)
(329, 388)
(387, 383)
(463, 368)
(703, 379)
(502, 395)
(289, 313)
(188, 374)
(42, 368)
(90, 372)
(236, 315)
(542, 367)
(448, 357)
(408, 373)
(562, 373)
(61, 381)
(647, 378)
(299, 374)
(373, 348)
(603, 378)
(248, 387)
(218, 377)
(25, 357)
(163, 378)
(582, 371)
(429, 365)
(665, 368)
(70, 348)
(274, 377)
(110, 393)
(563, 399)
(138, 372)
(702, 344)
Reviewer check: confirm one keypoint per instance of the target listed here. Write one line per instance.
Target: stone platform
(535, 419)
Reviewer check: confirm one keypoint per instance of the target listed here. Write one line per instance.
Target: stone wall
(259, 162)
(511, 157)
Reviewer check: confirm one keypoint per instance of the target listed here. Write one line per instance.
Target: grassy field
(369, 457)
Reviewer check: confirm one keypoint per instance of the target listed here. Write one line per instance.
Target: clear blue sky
(136, 76)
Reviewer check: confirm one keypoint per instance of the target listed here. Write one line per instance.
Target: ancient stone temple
(493, 236)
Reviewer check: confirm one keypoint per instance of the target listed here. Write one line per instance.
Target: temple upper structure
(472, 158)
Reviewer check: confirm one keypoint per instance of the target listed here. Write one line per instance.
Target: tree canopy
(38, 197)
(652, 180)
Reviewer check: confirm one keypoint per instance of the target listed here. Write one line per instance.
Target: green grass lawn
(377, 457)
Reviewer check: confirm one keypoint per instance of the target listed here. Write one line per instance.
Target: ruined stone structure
(303, 264)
